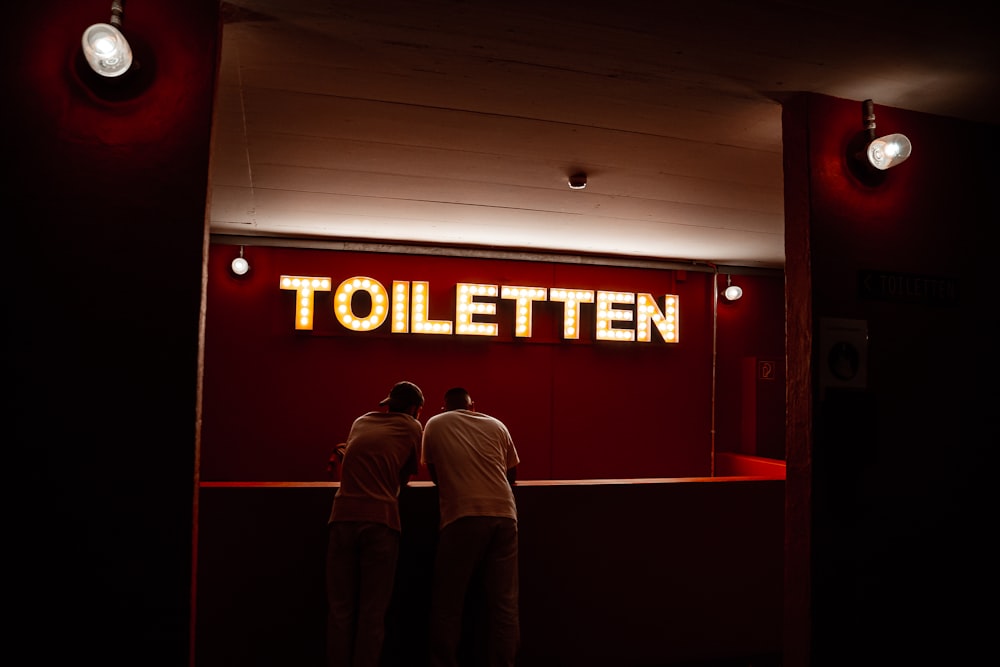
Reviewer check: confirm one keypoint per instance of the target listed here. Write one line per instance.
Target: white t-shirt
(471, 453)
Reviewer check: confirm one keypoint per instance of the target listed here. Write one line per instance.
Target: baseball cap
(404, 394)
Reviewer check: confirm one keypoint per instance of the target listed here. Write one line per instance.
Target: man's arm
(408, 470)
(512, 475)
(336, 460)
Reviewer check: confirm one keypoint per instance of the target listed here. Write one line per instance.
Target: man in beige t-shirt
(471, 458)
(381, 454)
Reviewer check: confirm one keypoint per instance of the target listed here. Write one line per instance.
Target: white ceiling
(457, 122)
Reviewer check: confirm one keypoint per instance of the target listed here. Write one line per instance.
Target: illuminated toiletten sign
(618, 316)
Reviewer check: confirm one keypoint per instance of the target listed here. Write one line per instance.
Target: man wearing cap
(471, 458)
(380, 455)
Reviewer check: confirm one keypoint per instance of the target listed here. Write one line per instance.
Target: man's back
(470, 453)
(381, 447)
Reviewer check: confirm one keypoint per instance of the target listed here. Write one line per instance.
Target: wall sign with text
(362, 303)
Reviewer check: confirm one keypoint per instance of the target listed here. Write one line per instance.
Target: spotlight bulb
(240, 266)
(106, 49)
(888, 151)
(733, 293)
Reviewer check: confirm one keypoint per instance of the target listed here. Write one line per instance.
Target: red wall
(105, 197)
(277, 399)
(888, 481)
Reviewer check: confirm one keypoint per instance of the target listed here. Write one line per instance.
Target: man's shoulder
(490, 418)
(388, 422)
(379, 416)
(447, 415)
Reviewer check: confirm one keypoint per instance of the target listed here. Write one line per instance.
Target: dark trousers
(360, 572)
(466, 546)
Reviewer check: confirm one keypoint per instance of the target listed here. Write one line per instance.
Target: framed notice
(843, 353)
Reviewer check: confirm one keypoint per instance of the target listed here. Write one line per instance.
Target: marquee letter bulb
(106, 49)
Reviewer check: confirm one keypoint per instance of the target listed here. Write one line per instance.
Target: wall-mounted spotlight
(240, 265)
(886, 151)
(732, 292)
(578, 181)
(104, 46)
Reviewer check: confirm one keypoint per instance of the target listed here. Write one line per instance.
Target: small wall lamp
(104, 46)
(240, 265)
(732, 292)
(886, 151)
(578, 181)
